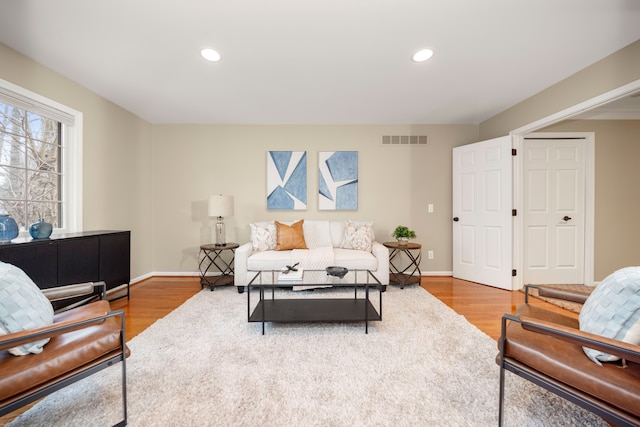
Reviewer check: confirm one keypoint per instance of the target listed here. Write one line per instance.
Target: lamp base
(220, 238)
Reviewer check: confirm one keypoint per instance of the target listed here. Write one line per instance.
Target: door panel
(554, 171)
(482, 203)
(467, 245)
(493, 248)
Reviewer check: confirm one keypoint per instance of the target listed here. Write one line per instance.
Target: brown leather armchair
(84, 340)
(545, 347)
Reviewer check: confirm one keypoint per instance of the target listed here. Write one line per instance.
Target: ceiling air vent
(404, 139)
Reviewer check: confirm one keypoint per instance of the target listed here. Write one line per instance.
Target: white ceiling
(318, 61)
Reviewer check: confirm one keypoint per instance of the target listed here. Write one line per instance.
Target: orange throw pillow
(290, 236)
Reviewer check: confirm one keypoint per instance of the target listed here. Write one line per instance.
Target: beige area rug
(568, 305)
(205, 365)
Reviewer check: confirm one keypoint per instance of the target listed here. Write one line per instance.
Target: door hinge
(514, 152)
(514, 212)
(513, 273)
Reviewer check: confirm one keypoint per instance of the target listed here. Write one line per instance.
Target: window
(40, 167)
(30, 173)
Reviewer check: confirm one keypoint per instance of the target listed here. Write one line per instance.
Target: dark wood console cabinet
(64, 259)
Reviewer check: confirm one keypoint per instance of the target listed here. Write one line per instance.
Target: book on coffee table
(290, 275)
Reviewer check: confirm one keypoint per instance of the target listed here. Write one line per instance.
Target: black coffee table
(284, 307)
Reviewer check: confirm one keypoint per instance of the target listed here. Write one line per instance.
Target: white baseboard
(166, 274)
(117, 292)
(436, 273)
(141, 278)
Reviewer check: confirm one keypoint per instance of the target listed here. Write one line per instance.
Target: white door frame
(589, 201)
(518, 140)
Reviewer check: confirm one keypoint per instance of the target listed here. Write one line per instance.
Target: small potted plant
(403, 234)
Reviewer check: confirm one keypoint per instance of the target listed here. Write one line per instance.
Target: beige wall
(395, 182)
(617, 69)
(116, 155)
(617, 200)
(154, 180)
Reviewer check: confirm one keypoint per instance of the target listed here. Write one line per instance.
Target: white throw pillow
(613, 311)
(372, 235)
(23, 306)
(263, 236)
(357, 237)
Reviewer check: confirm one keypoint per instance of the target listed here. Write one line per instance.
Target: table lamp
(220, 206)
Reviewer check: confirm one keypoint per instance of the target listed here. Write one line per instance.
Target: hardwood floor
(482, 305)
(153, 299)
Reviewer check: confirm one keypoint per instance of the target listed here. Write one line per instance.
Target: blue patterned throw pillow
(613, 311)
(22, 306)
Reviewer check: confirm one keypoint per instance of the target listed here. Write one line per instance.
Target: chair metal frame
(601, 408)
(54, 330)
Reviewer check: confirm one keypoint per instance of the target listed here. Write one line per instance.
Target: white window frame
(72, 143)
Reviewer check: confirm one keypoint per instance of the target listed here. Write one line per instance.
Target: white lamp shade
(220, 205)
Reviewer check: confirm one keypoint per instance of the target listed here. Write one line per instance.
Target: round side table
(406, 275)
(211, 256)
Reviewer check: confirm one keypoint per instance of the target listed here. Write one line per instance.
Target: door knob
(566, 218)
(456, 219)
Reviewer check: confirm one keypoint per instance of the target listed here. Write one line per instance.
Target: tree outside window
(30, 166)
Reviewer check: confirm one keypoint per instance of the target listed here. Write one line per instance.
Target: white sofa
(319, 236)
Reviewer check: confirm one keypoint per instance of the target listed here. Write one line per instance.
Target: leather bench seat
(63, 355)
(570, 295)
(610, 382)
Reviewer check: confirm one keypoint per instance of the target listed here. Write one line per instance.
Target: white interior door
(482, 206)
(554, 211)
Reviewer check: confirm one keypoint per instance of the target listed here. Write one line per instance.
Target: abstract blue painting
(338, 180)
(287, 180)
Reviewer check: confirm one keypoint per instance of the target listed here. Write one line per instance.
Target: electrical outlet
(430, 254)
(430, 208)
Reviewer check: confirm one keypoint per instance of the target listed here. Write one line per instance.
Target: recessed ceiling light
(210, 55)
(422, 55)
